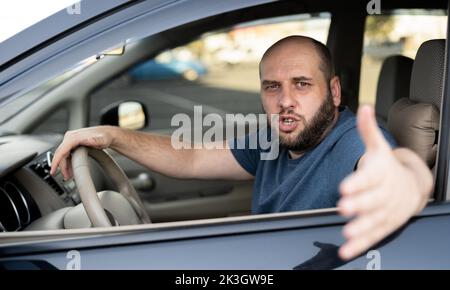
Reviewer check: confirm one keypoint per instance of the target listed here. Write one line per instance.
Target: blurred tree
(197, 47)
(378, 28)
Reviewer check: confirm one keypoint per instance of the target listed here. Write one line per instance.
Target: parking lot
(218, 92)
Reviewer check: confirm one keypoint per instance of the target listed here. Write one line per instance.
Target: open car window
(396, 32)
(217, 70)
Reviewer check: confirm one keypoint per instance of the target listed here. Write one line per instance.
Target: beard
(313, 131)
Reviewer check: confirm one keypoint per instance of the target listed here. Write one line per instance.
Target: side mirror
(128, 115)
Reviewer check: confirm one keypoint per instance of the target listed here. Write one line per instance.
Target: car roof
(53, 26)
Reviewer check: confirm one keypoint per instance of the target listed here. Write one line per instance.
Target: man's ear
(335, 87)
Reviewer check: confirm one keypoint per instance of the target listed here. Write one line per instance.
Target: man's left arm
(387, 189)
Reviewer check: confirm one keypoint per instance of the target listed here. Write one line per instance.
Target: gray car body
(294, 242)
(297, 241)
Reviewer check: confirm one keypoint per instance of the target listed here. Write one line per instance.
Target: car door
(285, 242)
(305, 240)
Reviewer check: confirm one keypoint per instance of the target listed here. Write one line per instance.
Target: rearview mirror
(128, 115)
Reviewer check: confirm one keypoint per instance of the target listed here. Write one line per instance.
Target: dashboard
(27, 190)
(66, 190)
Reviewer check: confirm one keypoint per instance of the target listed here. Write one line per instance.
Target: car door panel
(295, 242)
(171, 199)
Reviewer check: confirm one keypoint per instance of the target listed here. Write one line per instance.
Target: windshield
(30, 13)
(16, 103)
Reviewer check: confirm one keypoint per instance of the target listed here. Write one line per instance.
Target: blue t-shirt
(310, 181)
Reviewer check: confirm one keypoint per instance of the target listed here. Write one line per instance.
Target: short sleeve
(350, 148)
(246, 157)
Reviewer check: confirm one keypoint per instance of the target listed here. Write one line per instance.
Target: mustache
(290, 112)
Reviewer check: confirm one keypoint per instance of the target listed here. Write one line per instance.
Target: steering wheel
(88, 193)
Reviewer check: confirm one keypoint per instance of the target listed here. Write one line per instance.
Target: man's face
(293, 86)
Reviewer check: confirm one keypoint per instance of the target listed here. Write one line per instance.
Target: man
(320, 144)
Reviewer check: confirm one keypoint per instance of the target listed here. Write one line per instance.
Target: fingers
(62, 154)
(362, 203)
(370, 132)
(368, 230)
(372, 209)
(63, 167)
(379, 213)
(362, 226)
(354, 247)
(69, 166)
(365, 231)
(66, 168)
(360, 180)
(97, 137)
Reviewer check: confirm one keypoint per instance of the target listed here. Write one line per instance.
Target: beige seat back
(414, 121)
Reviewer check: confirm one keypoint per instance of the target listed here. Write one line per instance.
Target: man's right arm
(152, 151)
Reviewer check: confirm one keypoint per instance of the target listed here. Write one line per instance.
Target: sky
(16, 15)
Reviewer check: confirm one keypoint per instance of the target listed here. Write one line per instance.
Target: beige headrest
(393, 83)
(415, 126)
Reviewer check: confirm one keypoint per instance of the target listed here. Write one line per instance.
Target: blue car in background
(173, 69)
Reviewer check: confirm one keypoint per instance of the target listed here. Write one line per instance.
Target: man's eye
(303, 84)
(272, 87)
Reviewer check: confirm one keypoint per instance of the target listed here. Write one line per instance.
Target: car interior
(393, 83)
(406, 89)
(414, 119)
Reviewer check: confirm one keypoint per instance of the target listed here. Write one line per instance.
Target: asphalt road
(224, 90)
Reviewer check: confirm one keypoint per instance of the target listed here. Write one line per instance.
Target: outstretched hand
(387, 189)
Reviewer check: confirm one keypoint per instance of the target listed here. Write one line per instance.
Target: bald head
(294, 43)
